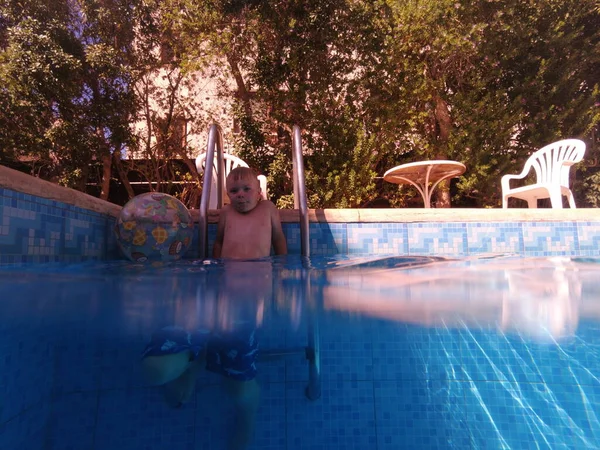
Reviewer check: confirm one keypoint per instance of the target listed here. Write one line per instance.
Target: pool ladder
(215, 144)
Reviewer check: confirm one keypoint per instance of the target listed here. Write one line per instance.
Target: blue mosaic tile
(271, 363)
(581, 356)
(78, 367)
(120, 364)
(339, 231)
(193, 251)
(344, 417)
(215, 418)
(502, 415)
(297, 364)
(39, 230)
(27, 430)
(579, 405)
(509, 359)
(292, 236)
(386, 384)
(271, 419)
(26, 350)
(443, 239)
(550, 239)
(112, 251)
(323, 241)
(377, 239)
(83, 236)
(81, 319)
(501, 237)
(588, 234)
(411, 414)
(72, 421)
(137, 419)
(409, 352)
(345, 351)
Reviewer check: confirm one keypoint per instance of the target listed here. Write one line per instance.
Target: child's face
(243, 193)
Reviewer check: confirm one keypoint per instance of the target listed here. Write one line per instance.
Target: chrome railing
(215, 140)
(300, 190)
(312, 350)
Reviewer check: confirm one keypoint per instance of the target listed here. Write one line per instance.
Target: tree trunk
(123, 174)
(241, 92)
(443, 127)
(106, 175)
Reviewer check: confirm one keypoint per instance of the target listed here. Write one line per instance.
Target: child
(247, 229)
(248, 226)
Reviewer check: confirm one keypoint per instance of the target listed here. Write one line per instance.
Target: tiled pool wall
(39, 230)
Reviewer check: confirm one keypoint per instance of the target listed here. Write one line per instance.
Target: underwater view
(345, 352)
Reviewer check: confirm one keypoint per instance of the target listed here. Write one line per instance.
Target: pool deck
(20, 182)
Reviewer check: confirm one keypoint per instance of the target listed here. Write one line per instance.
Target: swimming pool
(417, 352)
(74, 321)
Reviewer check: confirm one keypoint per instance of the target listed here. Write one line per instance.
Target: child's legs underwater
(173, 358)
(246, 397)
(233, 355)
(170, 360)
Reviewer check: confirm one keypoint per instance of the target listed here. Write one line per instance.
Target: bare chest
(247, 236)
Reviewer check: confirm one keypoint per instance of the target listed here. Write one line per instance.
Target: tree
(372, 84)
(65, 72)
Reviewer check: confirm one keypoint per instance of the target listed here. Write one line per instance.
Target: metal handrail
(312, 351)
(300, 202)
(215, 139)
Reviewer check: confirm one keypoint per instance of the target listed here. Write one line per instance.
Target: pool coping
(21, 182)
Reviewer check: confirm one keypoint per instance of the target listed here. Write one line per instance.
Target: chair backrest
(230, 162)
(553, 162)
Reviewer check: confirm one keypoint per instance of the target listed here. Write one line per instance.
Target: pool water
(415, 353)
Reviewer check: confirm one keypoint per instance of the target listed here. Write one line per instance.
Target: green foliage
(372, 84)
(281, 182)
(348, 184)
(591, 190)
(65, 77)
(250, 143)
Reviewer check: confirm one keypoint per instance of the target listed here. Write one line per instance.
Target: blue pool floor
(70, 380)
(385, 386)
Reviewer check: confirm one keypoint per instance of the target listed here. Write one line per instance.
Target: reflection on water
(444, 354)
(537, 298)
(541, 298)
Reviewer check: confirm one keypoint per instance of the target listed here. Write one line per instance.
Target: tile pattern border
(34, 229)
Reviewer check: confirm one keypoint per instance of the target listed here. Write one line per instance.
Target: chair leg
(504, 201)
(556, 199)
(532, 202)
(571, 200)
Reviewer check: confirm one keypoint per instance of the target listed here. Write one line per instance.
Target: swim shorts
(229, 353)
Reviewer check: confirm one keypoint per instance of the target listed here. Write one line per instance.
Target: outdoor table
(423, 173)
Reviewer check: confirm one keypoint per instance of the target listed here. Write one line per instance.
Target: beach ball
(154, 227)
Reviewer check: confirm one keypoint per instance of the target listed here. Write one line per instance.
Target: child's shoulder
(267, 204)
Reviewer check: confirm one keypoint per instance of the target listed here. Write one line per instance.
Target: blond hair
(242, 173)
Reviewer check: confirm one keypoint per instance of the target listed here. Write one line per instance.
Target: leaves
(372, 84)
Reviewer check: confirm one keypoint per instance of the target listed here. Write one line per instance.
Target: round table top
(417, 171)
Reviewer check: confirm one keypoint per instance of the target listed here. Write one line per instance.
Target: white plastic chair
(231, 162)
(552, 164)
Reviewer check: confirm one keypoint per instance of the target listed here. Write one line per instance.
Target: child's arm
(218, 246)
(277, 236)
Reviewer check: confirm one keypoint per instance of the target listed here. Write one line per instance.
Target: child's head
(243, 189)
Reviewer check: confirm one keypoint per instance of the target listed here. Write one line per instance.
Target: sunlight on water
(499, 352)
